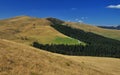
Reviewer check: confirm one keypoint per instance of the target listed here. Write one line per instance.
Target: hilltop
(26, 30)
(114, 34)
(19, 59)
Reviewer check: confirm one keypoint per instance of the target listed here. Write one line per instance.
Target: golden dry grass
(18, 59)
(25, 29)
(100, 63)
(115, 34)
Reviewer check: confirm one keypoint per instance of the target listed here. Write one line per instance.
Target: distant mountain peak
(111, 27)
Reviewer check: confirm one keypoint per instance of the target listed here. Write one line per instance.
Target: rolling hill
(55, 34)
(19, 59)
(62, 37)
(26, 30)
(114, 34)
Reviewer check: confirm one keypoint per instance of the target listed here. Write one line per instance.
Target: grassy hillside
(25, 29)
(18, 59)
(103, 64)
(96, 45)
(70, 41)
(114, 34)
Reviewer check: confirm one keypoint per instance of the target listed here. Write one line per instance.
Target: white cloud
(84, 18)
(76, 19)
(80, 21)
(73, 8)
(114, 6)
(69, 21)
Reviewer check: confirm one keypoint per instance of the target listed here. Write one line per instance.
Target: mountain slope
(18, 59)
(53, 31)
(114, 34)
(103, 64)
(25, 29)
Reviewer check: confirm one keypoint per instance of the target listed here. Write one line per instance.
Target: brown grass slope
(18, 59)
(114, 34)
(103, 64)
(25, 29)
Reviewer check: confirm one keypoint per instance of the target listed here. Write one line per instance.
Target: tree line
(97, 45)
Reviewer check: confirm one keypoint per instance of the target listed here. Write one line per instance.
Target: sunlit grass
(66, 40)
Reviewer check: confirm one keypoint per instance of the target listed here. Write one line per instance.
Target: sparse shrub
(24, 38)
(33, 73)
(68, 64)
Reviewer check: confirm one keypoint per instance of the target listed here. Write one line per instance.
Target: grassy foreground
(18, 59)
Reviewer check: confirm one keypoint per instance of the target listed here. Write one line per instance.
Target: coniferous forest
(96, 45)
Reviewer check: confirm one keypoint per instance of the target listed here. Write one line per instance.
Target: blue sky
(96, 12)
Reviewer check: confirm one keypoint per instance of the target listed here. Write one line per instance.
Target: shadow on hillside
(96, 45)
